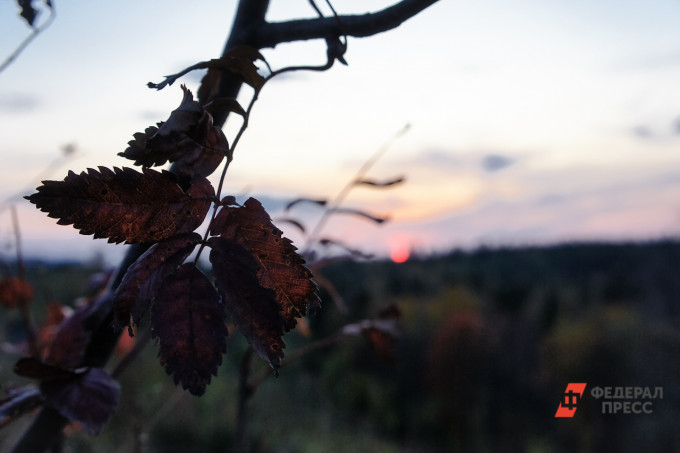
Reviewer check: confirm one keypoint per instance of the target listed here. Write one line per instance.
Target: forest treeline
(488, 341)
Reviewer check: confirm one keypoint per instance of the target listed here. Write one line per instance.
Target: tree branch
(249, 29)
(271, 34)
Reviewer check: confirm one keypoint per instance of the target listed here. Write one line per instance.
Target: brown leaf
(184, 118)
(15, 292)
(203, 160)
(280, 268)
(253, 309)
(188, 137)
(123, 204)
(188, 320)
(238, 62)
(144, 277)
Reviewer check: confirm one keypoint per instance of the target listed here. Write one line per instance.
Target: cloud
(495, 162)
(439, 159)
(18, 103)
(663, 131)
(643, 132)
(450, 160)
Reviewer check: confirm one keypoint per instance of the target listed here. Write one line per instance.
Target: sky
(531, 122)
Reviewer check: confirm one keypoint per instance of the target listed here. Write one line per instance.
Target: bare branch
(271, 34)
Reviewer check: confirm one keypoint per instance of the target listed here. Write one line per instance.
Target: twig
(298, 354)
(24, 309)
(34, 34)
(334, 205)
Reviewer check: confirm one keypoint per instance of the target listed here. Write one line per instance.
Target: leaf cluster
(257, 278)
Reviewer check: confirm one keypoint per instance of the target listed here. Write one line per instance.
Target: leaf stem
(241, 131)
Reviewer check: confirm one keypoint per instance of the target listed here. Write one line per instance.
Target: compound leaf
(144, 277)
(279, 267)
(123, 204)
(188, 320)
(253, 309)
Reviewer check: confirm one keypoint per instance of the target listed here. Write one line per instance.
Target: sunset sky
(531, 121)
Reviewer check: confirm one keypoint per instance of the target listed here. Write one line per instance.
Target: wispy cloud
(495, 162)
(15, 103)
(668, 129)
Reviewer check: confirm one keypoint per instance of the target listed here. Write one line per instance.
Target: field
(488, 342)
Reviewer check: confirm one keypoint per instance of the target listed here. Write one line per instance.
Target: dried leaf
(89, 398)
(210, 86)
(355, 253)
(15, 292)
(123, 204)
(253, 309)
(238, 61)
(143, 278)
(380, 184)
(28, 12)
(187, 137)
(184, 118)
(280, 268)
(319, 202)
(189, 322)
(203, 160)
(359, 213)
